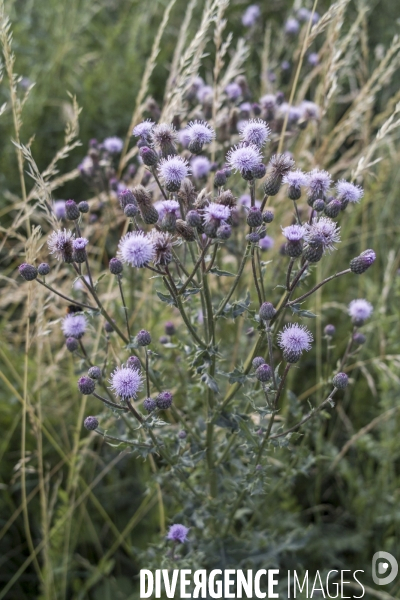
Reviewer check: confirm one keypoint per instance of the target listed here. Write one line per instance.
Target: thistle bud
(340, 381)
(330, 330)
(253, 237)
(126, 197)
(294, 248)
(169, 328)
(219, 179)
(333, 208)
(319, 205)
(131, 210)
(83, 207)
(193, 218)
(185, 231)
(71, 210)
(86, 386)
(164, 400)
(313, 253)
(363, 262)
(148, 156)
(267, 311)
(143, 338)
(43, 269)
(108, 328)
(149, 404)
(28, 272)
(291, 356)
(72, 344)
(254, 217)
(359, 338)
(264, 373)
(259, 171)
(94, 373)
(257, 362)
(134, 363)
(224, 231)
(115, 266)
(268, 216)
(90, 423)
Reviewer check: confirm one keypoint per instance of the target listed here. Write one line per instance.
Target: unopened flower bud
(257, 362)
(71, 210)
(108, 328)
(294, 248)
(224, 231)
(254, 217)
(313, 253)
(94, 373)
(253, 237)
(193, 218)
(319, 205)
(86, 386)
(330, 330)
(134, 363)
(219, 179)
(149, 156)
(28, 272)
(131, 210)
(90, 423)
(43, 269)
(72, 344)
(149, 404)
(259, 171)
(361, 263)
(115, 266)
(268, 216)
(359, 338)
(267, 311)
(143, 338)
(126, 197)
(264, 373)
(164, 400)
(333, 208)
(182, 435)
(83, 207)
(340, 381)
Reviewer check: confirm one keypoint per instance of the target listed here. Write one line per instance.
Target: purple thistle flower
(74, 326)
(268, 102)
(251, 15)
(204, 94)
(293, 112)
(318, 183)
(136, 249)
(292, 26)
(254, 132)
(167, 207)
(59, 209)
(313, 59)
(233, 91)
(243, 158)
(200, 132)
(266, 243)
(60, 244)
(295, 338)
(216, 212)
(245, 200)
(143, 130)
(113, 145)
(80, 243)
(173, 170)
(295, 180)
(360, 309)
(294, 233)
(309, 110)
(200, 166)
(126, 382)
(348, 192)
(178, 533)
(184, 137)
(324, 232)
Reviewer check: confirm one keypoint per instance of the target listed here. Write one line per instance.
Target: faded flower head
(251, 15)
(254, 132)
(162, 244)
(294, 233)
(200, 166)
(113, 145)
(360, 310)
(60, 244)
(323, 232)
(319, 182)
(280, 164)
(244, 158)
(178, 533)
(143, 130)
(74, 326)
(295, 338)
(136, 249)
(173, 170)
(164, 137)
(349, 192)
(126, 382)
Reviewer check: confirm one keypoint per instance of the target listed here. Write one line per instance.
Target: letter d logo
(382, 568)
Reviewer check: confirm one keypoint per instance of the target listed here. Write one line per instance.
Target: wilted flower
(74, 326)
(113, 145)
(322, 232)
(126, 382)
(178, 533)
(162, 244)
(293, 340)
(136, 249)
(172, 171)
(60, 244)
(200, 166)
(244, 159)
(254, 132)
(250, 15)
(278, 166)
(164, 137)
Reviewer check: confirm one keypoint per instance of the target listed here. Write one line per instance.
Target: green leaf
(220, 273)
(237, 376)
(302, 313)
(167, 298)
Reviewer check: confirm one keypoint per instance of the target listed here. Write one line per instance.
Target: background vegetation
(89, 510)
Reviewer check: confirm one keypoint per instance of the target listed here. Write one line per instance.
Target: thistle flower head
(200, 166)
(74, 326)
(178, 533)
(200, 132)
(136, 249)
(360, 309)
(162, 244)
(184, 137)
(204, 94)
(268, 102)
(251, 15)
(173, 170)
(59, 209)
(294, 233)
(113, 144)
(60, 244)
(126, 382)
(310, 110)
(318, 183)
(243, 158)
(292, 26)
(233, 91)
(295, 179)
(216, 212)
(266, 243)
(143, 130)
(295, 338)
(163, 135)
(167, 206)
(255, 132)
(293, 113)
(80, 243)
(245, 200)
(349, 192)
(323, 231)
